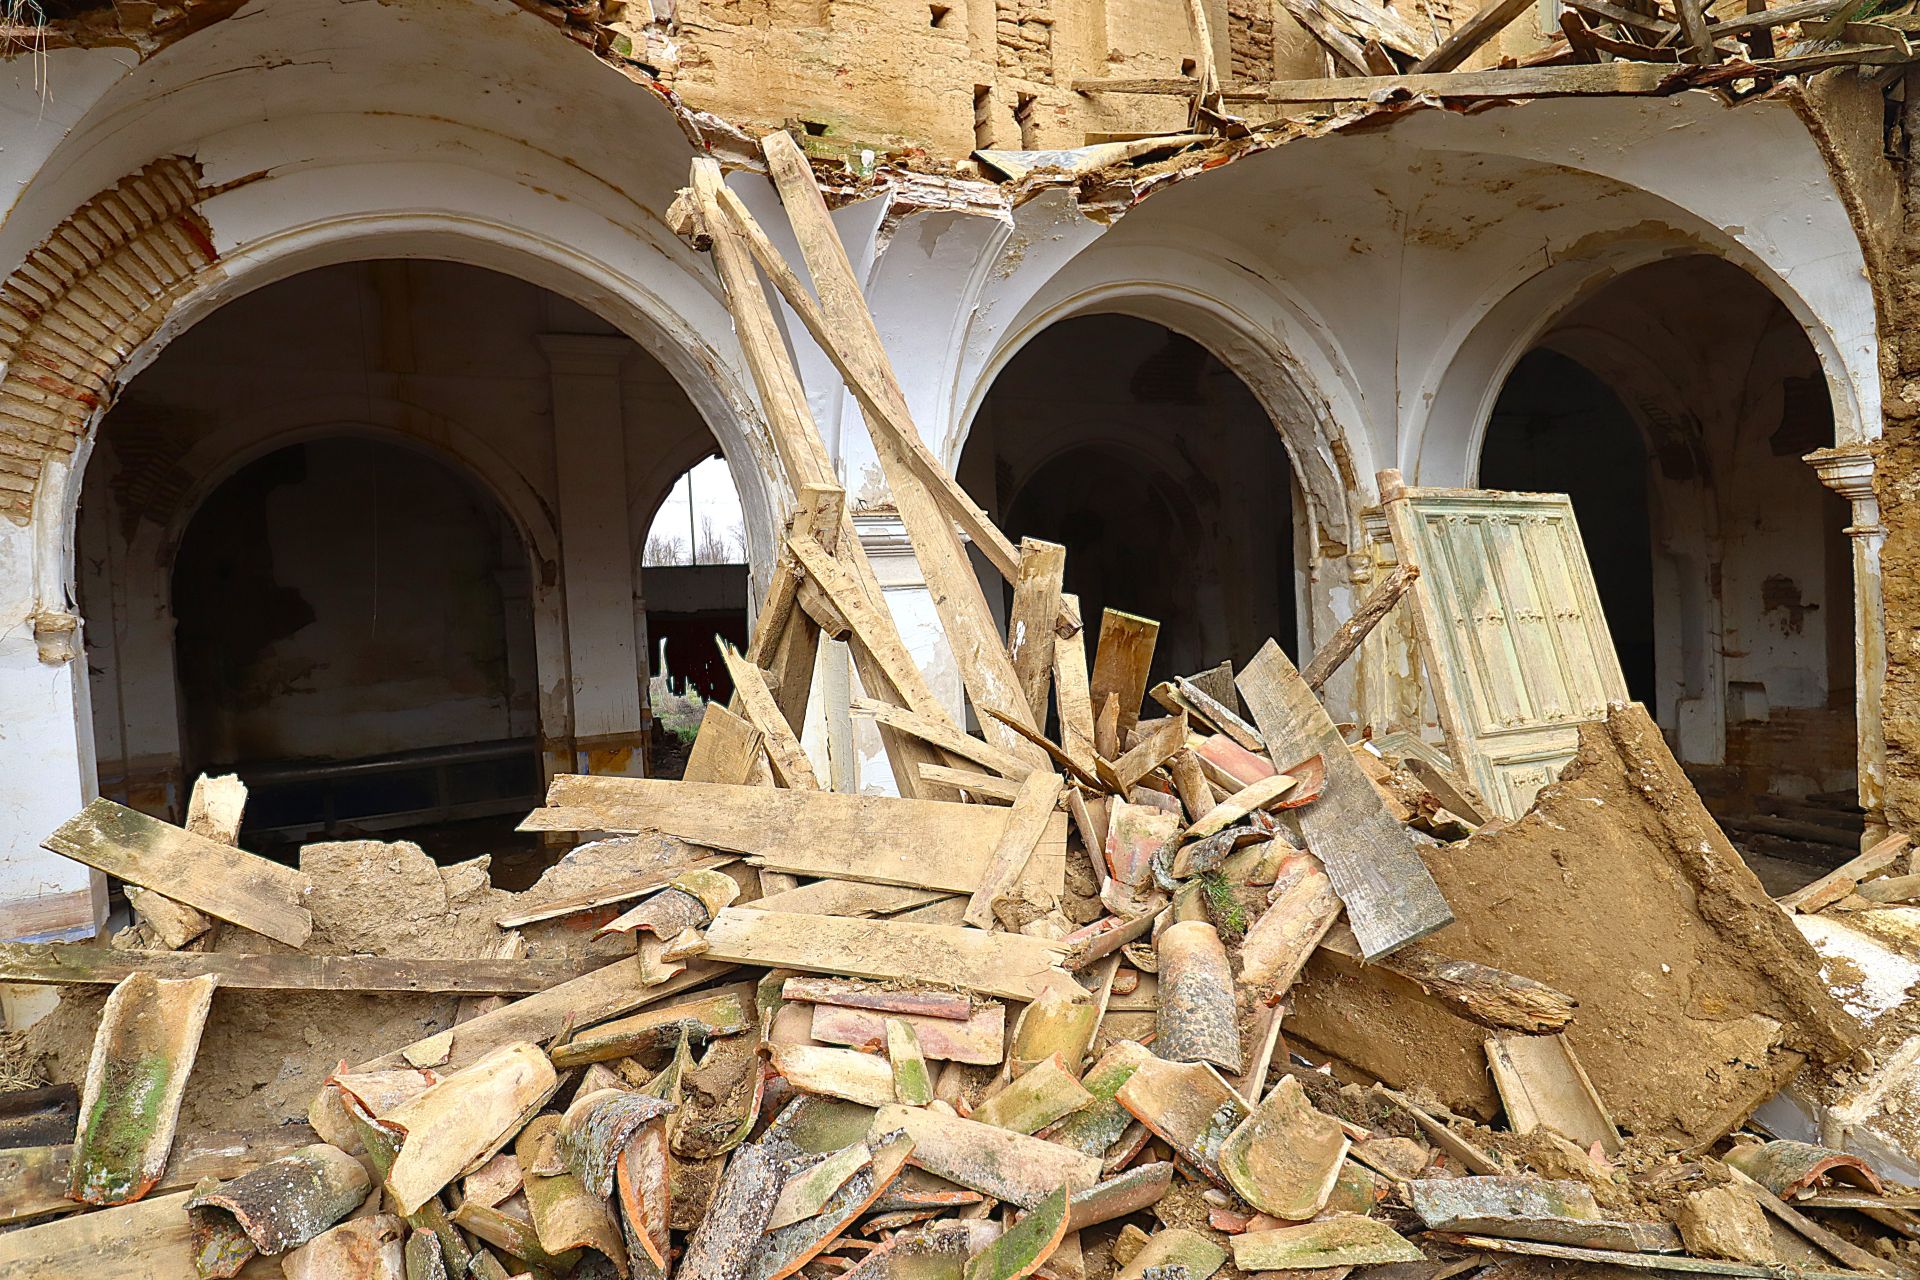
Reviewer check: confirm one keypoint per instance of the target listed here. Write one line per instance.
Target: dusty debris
(762, 1029)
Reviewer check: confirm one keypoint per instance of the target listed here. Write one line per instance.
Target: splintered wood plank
(1541, 1082)
(1839, 882)
(985, 669)
(619, 891)
(860, 995)
(1491, 997)
(846, 898)
(1390, 898)
(1606, 78)
(605, 993)
(791, 768)
(1028, 823)
(942, 734)
(142, 1055)
(76, 964)
(214, 810)
(1001, 964)
(724, 749)
(803, 455)
(219, 879)
(1485, 23)
(996, 1162)
(144, 1241)
(883, 839)
(1152, 751)
(1072, 686)
(1030, 622)
(1121, 663)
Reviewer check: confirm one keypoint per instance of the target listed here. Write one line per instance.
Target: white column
(1848, 471)
(49, 774)
(605, 670)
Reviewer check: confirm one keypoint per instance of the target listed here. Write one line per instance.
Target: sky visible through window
(700, 520)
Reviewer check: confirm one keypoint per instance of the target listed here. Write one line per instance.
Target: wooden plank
(1316, 22)
(786, 639)
(1152, 751)
(1371, 859)
(1121, 662)
(724, 749)
(1699, 36)
(942, 734)
(1604, 78)
(1059, 756)
(846, 898)
(791, 768)
(876, 400)
(1027, 825)
(33, 1180)
(1839, 1247)
(605, 993)
(1839, 882)
(873, 628)
(1072, 691)
(1001, 964)
(985, 668)
(885, 839)
(620, 891)
(73, 963)
(1486, 23)
(144, 1241)
(804, 457)
(1031, 620)
(1165, 86)
(1491, 997)
(219, 879)
(981, 786)
(1541, 1083)
(1353, 632)
(1648, 1261)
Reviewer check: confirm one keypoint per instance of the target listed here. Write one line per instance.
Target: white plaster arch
(1452, 406)
(651, 317)
(1325, 461)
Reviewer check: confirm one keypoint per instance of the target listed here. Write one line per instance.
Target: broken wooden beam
(73, 963)
(1390, 898)
(1001, 964)
(223, 881)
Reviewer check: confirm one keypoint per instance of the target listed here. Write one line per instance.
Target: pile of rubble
(1157, 997)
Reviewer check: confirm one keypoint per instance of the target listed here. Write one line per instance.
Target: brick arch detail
(82, 303)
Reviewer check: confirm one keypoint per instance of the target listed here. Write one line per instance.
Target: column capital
(1845, 469)
(1848, 471)
(592, 355)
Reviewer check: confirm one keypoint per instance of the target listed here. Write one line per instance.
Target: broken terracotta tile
(1285, 1157)
(1346, 1240)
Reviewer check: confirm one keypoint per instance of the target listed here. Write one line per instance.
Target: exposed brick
(70, 314)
